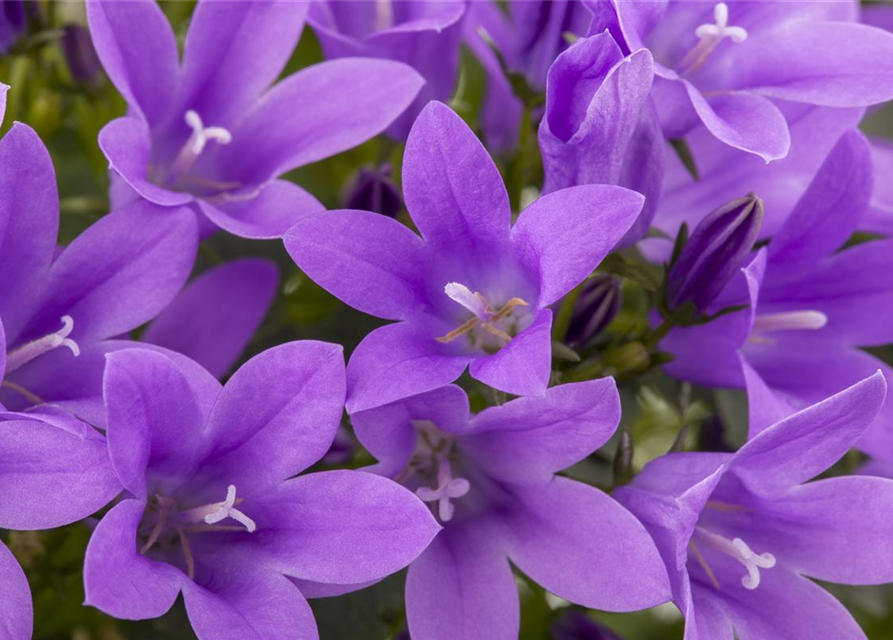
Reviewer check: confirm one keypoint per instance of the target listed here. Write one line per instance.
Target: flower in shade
(58, 310)
(215, 508)
(740, 533)
(474, 290)
(12, 23)
(54, 470)
(597, 305)
(423, 34)
(575, 625)
(490, 479)
(810, 306)
(373, 189)
(600, 126)
(209, 133)
(727, 65)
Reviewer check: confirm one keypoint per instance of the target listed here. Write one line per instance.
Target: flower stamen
(28, 352)
(484, 315)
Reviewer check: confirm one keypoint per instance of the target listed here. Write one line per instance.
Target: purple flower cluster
(714, 142)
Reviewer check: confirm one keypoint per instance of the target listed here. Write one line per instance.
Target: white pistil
(789, 321)
(27, 352)
(710, 35)
(226, 509)
(739, 550)
(449, 488)
(196, 144)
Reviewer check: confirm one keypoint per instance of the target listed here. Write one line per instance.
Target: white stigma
(721, 28)
(474, 302)
(449, 488)
(739, 550)
(226, 509)
(789, 321)
(26, 353)
(201, 134)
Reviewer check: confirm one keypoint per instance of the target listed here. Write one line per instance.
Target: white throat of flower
(483, 315)
(709, 37)
(807, 320)
(737, 549)
(28, 352)
(195, 145)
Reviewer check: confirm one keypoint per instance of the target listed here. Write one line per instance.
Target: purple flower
(810, 306)
(575, 625)
(740, 532)
(209, 133)
(714, 253)
(490, 479)
(474, 290)
(54, 470)
(214, 510)
(600, 126)
(598, 304)
(12, 23)
(423, 34)
(726, 64)
(58, 310)
(373, 189)
(83, 63)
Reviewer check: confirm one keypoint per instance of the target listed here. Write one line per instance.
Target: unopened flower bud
(374, 190)
(714, 253)
(12, 23)
(574, 625)
(594, 310)
(83, 63)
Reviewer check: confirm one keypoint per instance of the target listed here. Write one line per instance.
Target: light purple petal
(142, 254)
(154, 421)
(397, 361)
(807, 443)
(2, 351)
(764, 408)
(879, 218)
(529, 439)
(566, 234)
(235, 50)
(17, 613)
(214, 318)
(370, 261)
(524, 365)
(462, 587)
(581, 545)
(277, 414)
(744, 121)
(388, 434)
(29, 219)
(832, 64)
(126, 143)
(318, 112)
(138, 51)
(452, 188)
(309, 537)
(118, 580)
(237, 606)
(268, 215)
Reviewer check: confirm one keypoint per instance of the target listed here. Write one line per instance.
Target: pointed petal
(764, 408)
(318, 112)
(452, 188)
(524, 365)
(277, 414)
(118, 580)
(462, 587)
(154, 421)
(309, 537)
(17, 613)
(138, 51)
(564, 235)
(371, 262)
(268, 215)
(216, 315)
(397, 361)
(529, 439)
(235, 50)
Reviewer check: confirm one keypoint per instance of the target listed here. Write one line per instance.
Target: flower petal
(215, 316)
(17, 613)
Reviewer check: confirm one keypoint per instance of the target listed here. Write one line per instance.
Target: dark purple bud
(374, 190)
(12, 23)
(83, 63)
(574, 625)
(594, 310)
(714, 253)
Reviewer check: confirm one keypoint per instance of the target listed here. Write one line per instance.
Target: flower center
(164, 525)
(28, 352)
(807, 320)
(384, 15)
(194, 146)
(709, 37)
(736, 549)
(498, 323)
